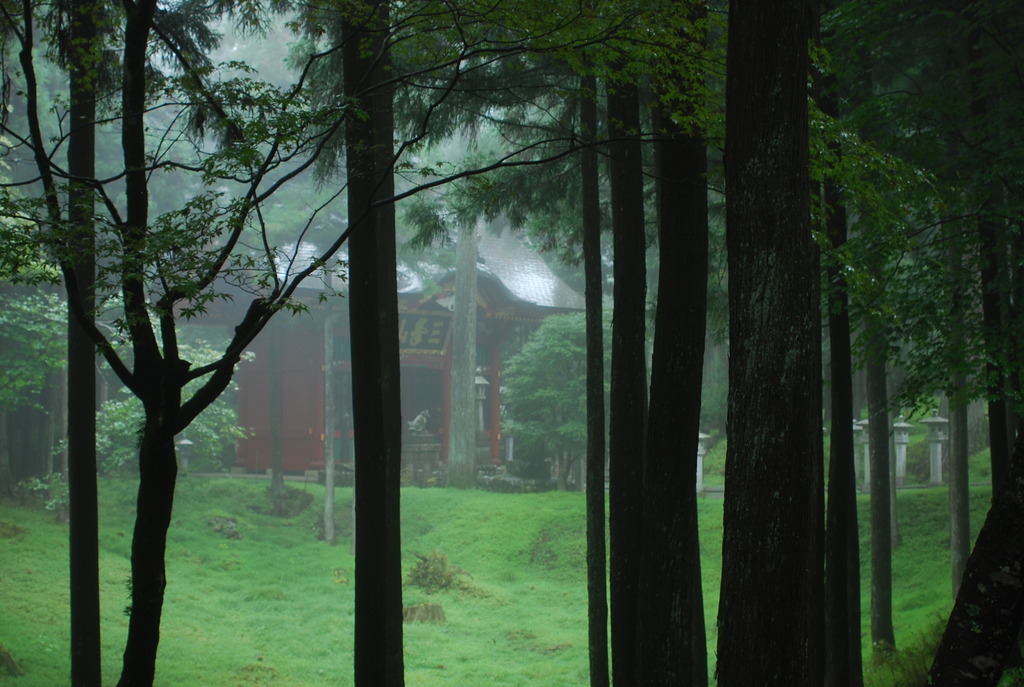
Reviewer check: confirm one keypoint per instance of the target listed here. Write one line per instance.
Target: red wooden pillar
(495, 381)
(446, 403)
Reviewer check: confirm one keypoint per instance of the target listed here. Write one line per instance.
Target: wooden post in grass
(329, 412)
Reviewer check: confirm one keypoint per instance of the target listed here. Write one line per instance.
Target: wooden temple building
(282, 392)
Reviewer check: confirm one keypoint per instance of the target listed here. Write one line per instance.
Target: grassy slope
(275, 606)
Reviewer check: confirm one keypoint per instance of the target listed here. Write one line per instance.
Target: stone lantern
(901, 437)
(701, 451)
(184, 454)
(936, 435)
(861, 434)
(480, 385)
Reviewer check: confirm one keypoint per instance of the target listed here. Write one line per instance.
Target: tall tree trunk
(628, 404)
(156, 381)
(462, 435)
(843, 665)
(597, 566)
(83, 530)
(843, 658)
(993, 292)
(672, 641)
(882, 635)
(373, 313)
(991, 597)
(773, 513)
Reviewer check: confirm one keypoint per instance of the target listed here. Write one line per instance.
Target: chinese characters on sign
(423, 333)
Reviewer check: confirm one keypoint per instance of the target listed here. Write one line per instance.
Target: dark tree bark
(993, 292)
(83, 535)
(157, 382)
(992, 307)
(882, 636)
(989, 609)
(672, 642)
(843, 664)
(843, 657)
(770, 613)
(158, 471)
(628, 404)
(373, 313)
(597, 566)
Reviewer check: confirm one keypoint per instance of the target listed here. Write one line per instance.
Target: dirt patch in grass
(9, 530)
(288, 503)
(543, 552)
(424, 613)
(226, 527)
(256, 674)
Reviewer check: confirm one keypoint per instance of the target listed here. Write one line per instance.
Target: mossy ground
(274, 606)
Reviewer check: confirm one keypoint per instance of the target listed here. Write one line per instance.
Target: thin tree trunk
(628, 404)
(843, 658)
(373, 308)
(672, 641)
(157, 465)
(597, 567)
(882, 636)
(83, 530)
(158, 471)
(770, 617)
(51, 436)
(462, 443)
(993, 292)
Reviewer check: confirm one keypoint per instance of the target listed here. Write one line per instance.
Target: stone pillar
(862, 434)
(936, 436)
(184, 454)
(901, 437)
(701, 450)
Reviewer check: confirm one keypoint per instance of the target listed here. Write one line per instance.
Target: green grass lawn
(275, 605)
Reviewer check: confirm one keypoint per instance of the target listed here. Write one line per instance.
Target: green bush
(1013, 678)
(50, 492)
(214, 434)
(434, 573)
(906, 667)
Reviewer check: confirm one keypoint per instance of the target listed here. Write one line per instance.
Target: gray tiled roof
(523, 271)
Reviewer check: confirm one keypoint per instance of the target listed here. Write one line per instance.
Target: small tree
(30, 347)
(547, 390)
